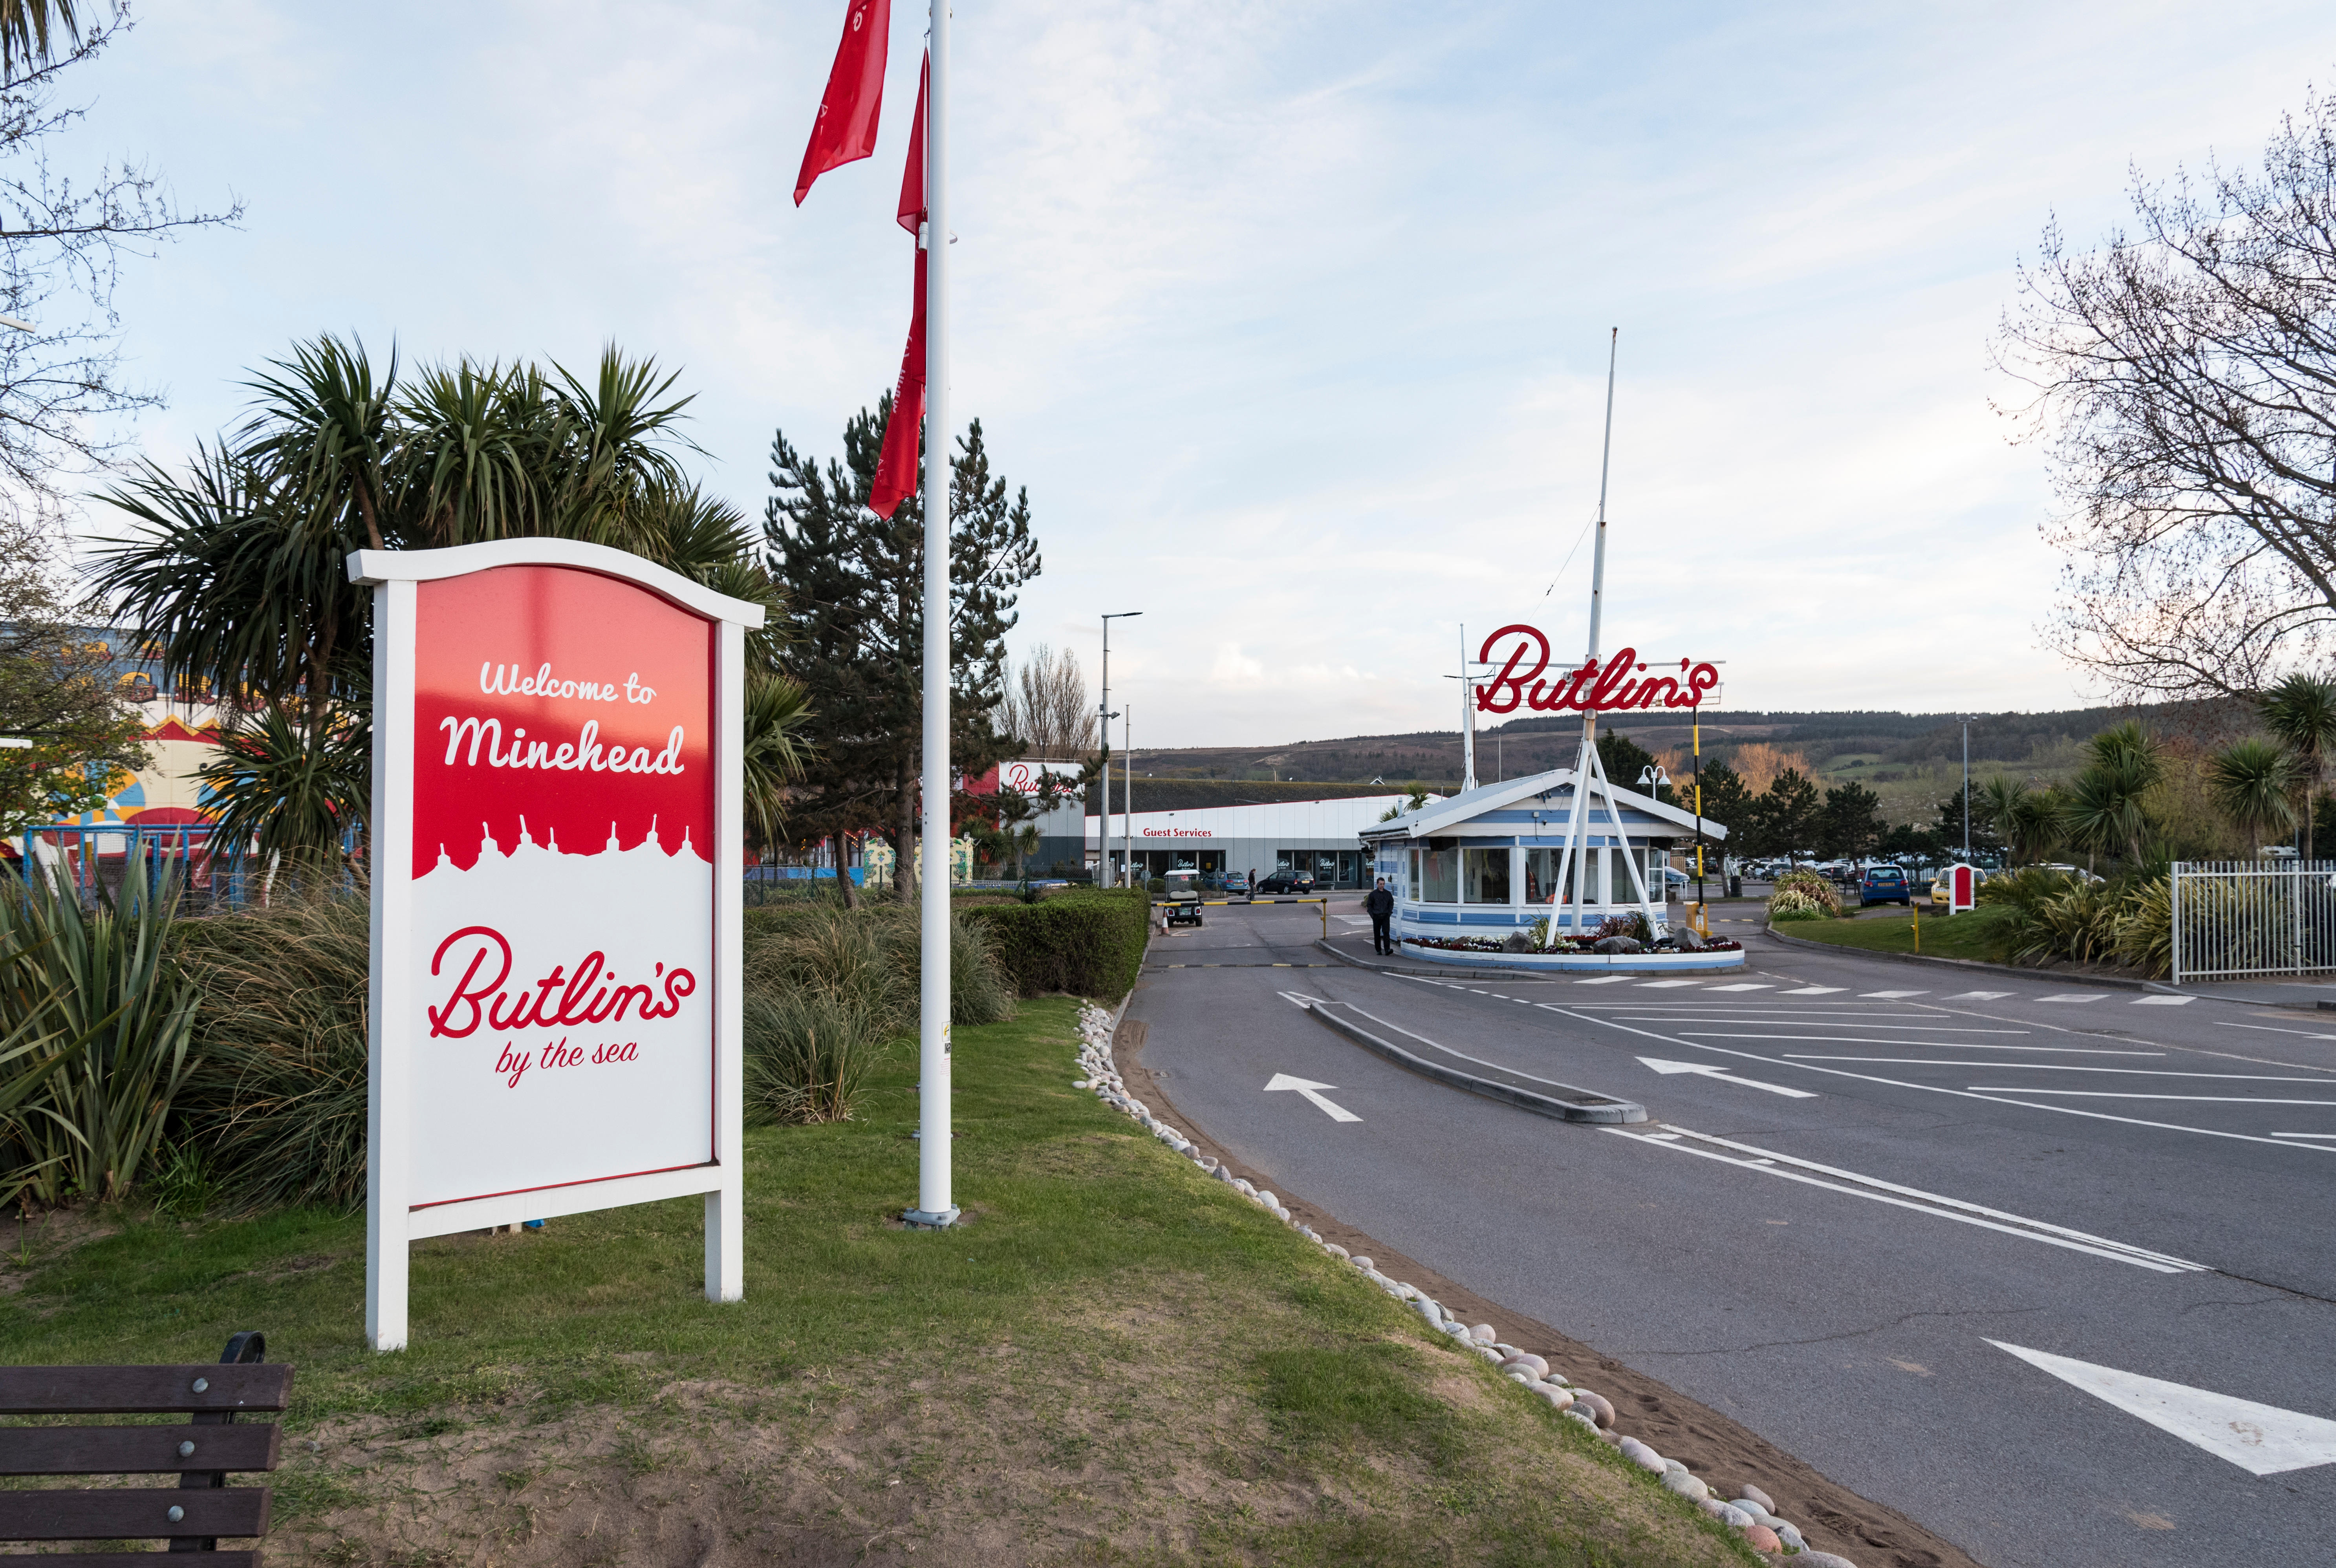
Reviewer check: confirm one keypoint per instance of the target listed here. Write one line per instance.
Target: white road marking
(2163, 1001)
(1943, 1044)
(2304, 1134)
(1748, 986)
(1313, 1091)
(1298, 998)
(1814, 991)
(1666, 985)
(1801, 1019)
(1888, 996)
(2105, 1095)
(1976, 997)
(2269, 1029)
(2065, 1068)
(1591, 1018)
(1896, 1197)
(1705, 1069)
(2262, 1440)
(1603, 981)
(2074, 997)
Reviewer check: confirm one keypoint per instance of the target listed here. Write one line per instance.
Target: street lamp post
(1966, 721)
(1103, 827)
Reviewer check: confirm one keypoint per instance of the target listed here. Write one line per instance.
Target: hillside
(1913, 760)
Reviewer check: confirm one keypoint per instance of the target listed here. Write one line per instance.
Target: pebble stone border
(1752, 1514)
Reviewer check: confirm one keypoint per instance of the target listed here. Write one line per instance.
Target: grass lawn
(1116, 1361)
(1886, 929)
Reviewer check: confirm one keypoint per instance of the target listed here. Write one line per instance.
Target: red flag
(896, 466)
(912, 178)
(846, 127)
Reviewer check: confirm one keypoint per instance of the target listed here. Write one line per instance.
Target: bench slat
(139, 1514)
(135, 1450)
(135, 1559)
(141, 1391)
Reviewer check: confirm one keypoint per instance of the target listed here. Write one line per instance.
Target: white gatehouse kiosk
(1491, 863)
(556, 834)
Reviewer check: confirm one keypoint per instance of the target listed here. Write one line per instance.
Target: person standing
(1380, 905)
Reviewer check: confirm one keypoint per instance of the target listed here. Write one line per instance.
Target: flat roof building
(1321, 837)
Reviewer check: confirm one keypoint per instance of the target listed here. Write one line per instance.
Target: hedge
(1085, 941)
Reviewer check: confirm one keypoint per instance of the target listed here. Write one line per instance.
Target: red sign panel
(562, 945)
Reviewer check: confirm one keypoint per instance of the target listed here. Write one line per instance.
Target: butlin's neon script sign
(1621, 683)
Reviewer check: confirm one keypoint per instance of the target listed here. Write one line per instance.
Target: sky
(1293, 319)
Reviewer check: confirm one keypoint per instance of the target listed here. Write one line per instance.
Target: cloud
(1293, 319)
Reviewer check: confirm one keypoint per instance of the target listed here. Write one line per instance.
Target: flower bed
(1499, 945)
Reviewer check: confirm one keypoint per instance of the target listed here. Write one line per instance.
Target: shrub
(107, 1030)
(807, 1052)
(1803, 895)
(828, 990)
(1788, 904)
(2144, 929)
(1086, 943)
(278, 1105)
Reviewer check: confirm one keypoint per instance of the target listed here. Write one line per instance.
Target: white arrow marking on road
(1724, 1076)
(1313, 1091)
(2261, 1438)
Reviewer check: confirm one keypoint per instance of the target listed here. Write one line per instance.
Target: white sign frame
(391, 1222)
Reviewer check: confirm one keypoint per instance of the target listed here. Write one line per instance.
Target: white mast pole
(934, 1207)
(1467, 716)
(1577, 821)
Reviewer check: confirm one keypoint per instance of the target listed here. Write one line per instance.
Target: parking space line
(2106, 1095)
(1771, 1165)
(1937, 1198)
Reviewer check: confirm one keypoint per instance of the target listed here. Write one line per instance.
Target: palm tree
(2105, 812)
(240, 575)
(2300, 712)
(2253, 780)
(30, 31)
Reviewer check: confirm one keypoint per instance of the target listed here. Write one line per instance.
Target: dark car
(1885, 885)
(1288, 881)
(1234, 882)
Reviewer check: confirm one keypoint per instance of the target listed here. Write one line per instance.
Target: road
(1861, 1181)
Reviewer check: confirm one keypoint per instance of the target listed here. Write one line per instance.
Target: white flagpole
(934, 1207)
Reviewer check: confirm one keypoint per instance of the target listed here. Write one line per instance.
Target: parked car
(1885, 885)
(1180, 897)
(1235, 883)
(1288, 881)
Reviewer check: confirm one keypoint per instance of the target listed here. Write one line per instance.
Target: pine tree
(855, 587)
(1850, 823)
(1624, 759)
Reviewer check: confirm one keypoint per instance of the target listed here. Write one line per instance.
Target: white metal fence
(2243, 920)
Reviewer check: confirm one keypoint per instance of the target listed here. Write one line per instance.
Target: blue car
(1885, 885)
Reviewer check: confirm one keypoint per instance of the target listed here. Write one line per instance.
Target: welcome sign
(555, 1001)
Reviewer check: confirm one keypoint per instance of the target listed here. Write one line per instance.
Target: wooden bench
(201, 1452)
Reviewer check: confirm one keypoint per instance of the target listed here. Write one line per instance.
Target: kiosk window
(1486, 876)
(1439, 876)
